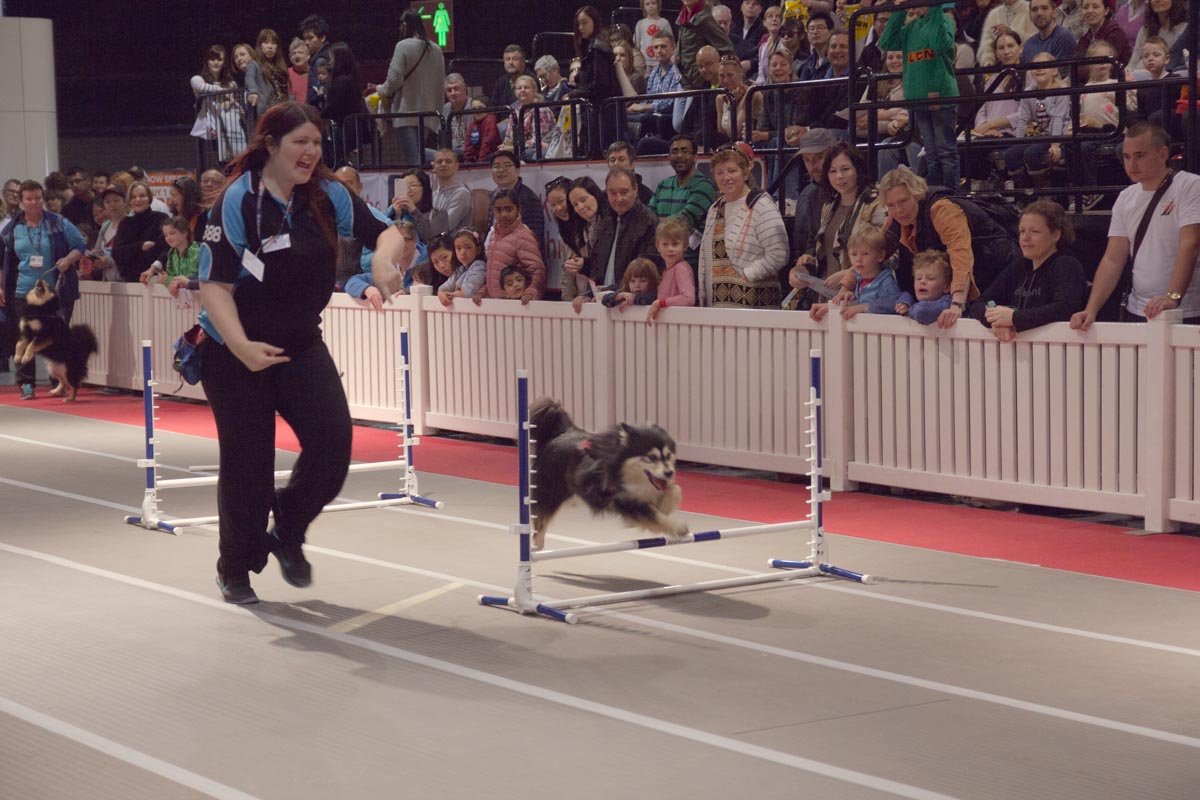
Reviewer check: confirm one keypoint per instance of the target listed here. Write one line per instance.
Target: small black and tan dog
(45, 333)
(626, 470)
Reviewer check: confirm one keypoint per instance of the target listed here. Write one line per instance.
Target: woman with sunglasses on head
(267, 268)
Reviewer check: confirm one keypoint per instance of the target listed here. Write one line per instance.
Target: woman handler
(267, 268)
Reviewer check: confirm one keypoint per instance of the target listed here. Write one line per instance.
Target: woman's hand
(147, 276)
(401, 203)
(147, 247)
(573, 264)
(257, 356)
(948, 317)
(1001, 316)
(578, 302)
(444, 298)
(818, 311)
(375, 297)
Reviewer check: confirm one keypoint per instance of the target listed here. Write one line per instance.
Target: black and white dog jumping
(626, 470)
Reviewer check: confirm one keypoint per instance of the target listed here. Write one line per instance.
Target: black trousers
(307, 393)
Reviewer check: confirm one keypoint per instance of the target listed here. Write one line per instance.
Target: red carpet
(1085, 547)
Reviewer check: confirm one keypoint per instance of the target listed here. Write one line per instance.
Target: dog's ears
(624, 433)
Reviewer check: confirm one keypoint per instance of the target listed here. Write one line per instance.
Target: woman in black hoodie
(139, 239)
(596, 80)
(1047, 285)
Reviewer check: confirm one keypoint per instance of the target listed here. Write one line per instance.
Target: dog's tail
(85, 339)
(83, 344)
(550, 420)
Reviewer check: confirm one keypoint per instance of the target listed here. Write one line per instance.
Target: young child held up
(677, 287)
(183, 257)
(875, 287)
(639, 286)
(467, 265)
(931, 282)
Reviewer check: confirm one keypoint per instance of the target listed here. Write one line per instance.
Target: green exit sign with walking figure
(438, 16)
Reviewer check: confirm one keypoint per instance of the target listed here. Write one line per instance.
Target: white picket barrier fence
(1104, 421)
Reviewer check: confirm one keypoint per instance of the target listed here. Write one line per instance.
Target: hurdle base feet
(826, 569)
(154, 526)
(413, 499)
(512, 605)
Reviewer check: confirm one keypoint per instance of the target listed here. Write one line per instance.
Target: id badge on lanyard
(281, 240)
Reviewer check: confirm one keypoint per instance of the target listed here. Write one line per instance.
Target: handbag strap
(1144, 225)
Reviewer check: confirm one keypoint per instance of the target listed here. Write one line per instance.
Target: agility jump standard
(151, 519)
(814, 565)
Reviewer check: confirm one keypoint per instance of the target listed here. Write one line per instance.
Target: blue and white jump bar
(814, 565)
(150, 518)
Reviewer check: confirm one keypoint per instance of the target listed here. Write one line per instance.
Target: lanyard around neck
(29, 229)
(287, 212)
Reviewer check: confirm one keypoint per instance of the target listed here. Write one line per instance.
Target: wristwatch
(961, 305)
(1176, 296)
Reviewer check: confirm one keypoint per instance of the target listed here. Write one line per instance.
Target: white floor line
(497, 681)
(137, 758)
(363, 620)
(826, 586)
(844, 666)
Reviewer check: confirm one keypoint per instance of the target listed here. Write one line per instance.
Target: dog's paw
(676, 531)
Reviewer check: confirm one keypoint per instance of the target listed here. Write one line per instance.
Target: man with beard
(687, 193)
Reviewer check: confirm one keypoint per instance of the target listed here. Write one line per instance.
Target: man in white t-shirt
(1166, 261)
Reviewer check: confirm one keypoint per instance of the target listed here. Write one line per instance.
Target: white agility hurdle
(151, 517)
(814, 565)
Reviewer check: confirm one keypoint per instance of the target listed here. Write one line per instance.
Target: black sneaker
(236, 590)
(292, 563)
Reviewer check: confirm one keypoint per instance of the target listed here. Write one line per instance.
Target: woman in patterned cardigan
(745, 243)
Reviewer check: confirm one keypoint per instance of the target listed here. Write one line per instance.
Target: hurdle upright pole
(816, 489)
(410, 491)
(522, 599)
(149, 516)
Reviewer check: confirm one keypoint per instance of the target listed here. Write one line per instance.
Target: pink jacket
(677, 286)
(516, 247)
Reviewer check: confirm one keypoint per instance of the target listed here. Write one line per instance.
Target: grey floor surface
(122, 675)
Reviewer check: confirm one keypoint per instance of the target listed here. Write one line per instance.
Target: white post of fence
(1159, 449)
(839, 416)
(418, 359)
(604, 344)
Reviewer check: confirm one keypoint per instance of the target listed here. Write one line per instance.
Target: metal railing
(581, 114)
(629, 15)
(560, 44)
(617, 108)
(231, 122)
(448, 127)
(381, 141)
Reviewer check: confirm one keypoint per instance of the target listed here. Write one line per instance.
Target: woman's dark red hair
(278, 121)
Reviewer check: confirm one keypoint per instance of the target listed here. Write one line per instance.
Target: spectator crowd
(912, 243)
